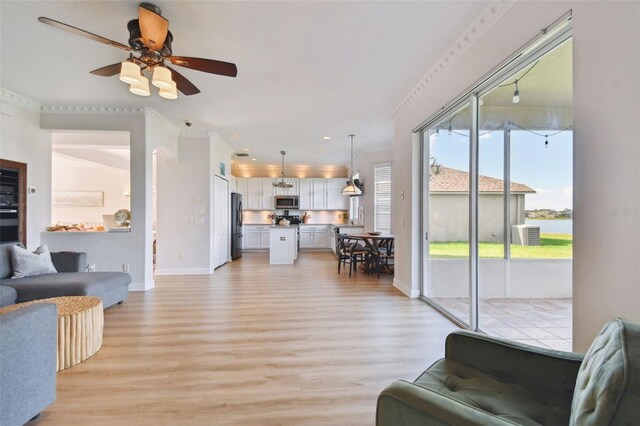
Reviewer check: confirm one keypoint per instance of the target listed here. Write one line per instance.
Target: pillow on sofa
(25, 263)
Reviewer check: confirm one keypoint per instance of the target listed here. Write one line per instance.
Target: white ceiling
(305, 69)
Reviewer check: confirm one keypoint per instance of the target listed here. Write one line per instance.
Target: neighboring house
(449, 206)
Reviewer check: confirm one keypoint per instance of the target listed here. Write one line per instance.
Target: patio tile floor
(540, 322)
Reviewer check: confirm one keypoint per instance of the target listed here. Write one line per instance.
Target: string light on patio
(516, 93)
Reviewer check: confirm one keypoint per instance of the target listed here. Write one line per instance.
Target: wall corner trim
(145, 286)
(155, 115)
(412, 293)
(487, 18)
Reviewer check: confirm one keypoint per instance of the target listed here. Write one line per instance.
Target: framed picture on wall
(77, 198)
(222, 169)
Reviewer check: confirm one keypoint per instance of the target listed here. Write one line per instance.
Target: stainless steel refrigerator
(236, 226)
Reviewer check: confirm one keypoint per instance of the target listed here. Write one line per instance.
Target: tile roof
(453, 180)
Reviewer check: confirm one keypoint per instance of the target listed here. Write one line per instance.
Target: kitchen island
(283, 244)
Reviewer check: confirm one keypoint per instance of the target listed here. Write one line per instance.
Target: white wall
(364, 164)
(184, 210)
(606, 66)
(23, 141)
(148, 132)
(68, 174)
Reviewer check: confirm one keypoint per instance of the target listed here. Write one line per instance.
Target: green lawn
(553, 246)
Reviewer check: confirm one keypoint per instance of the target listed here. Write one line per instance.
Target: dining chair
(386, 252)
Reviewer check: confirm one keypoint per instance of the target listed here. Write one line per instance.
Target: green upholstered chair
(485, 380)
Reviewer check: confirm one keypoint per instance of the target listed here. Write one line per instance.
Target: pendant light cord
(351, 171)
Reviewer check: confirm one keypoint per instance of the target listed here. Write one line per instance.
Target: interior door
(221, 208)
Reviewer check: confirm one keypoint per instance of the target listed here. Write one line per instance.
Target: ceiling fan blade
(153, 28)
(185, 86)
(83, 33)
(206, 65)
(108, 71)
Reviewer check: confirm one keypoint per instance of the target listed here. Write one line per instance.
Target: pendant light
(282, 182)
(130, 72)
(141, 88)
(351, 188)
(161, 78)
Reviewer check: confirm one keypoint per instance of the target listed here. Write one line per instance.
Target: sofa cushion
(500, 397)
(66, 284)
(8, 296)
(25, 263)
(606, 391)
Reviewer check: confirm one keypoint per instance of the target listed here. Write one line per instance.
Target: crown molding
(12, 98)
(85, 109)
(155, 115)
(196, 133)
(487, 18)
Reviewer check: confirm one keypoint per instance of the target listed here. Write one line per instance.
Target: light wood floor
(252, 344)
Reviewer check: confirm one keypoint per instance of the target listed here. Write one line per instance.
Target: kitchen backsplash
(315, 216)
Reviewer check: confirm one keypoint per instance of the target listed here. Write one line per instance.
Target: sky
(547, 170)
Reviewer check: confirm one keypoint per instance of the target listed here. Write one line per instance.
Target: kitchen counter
(283, 244)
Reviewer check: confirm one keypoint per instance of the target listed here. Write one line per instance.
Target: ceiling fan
(150, 47)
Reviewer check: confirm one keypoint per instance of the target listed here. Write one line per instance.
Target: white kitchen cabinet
(259, 194)
(241, 188)
(314, 236)
(255, 237)
(335, 199)
(289, 191)
(319, 201)
(305, 192)
(306, 237)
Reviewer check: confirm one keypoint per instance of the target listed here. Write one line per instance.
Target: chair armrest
(69, 261)
(28, 351)
(406, 404)
(537, 367)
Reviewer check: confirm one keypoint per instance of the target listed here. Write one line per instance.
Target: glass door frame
(547, 40)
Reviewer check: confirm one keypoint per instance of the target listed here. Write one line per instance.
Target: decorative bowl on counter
(374, 233)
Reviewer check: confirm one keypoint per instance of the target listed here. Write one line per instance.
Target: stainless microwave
(289, 202)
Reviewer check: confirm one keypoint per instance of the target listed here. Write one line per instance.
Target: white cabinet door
(335, 199)
(306, 194)
(319, 201)
(320, 237)
(264, 238)
(254, 194)
(267, 201)
(241, 187)
(306, 238)
(251, 237)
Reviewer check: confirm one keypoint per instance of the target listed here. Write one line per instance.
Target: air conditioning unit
(525, 235)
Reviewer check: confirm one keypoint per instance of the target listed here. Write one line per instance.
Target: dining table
(375, 242)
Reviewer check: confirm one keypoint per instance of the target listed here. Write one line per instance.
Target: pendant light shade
(351, 189)
(282, 182)
(130, 73)
(162, 78)
(171, 93)
(141, 88)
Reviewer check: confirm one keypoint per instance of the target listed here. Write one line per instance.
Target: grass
(552, 246)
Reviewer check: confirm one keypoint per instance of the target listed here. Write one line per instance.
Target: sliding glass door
(497, 201)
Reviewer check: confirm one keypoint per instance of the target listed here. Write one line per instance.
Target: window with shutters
(382, 197)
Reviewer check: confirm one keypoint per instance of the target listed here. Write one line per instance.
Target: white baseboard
(146, 286)
(184, 271)
(410, 292)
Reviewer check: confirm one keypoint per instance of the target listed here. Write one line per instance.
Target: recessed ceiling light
(326, 138)
(253, 159)
(246, 149)
(235, 136)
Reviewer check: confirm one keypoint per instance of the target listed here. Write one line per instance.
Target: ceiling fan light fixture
(162, 78)
(141, 88)
(171, 93)
(130, 73)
